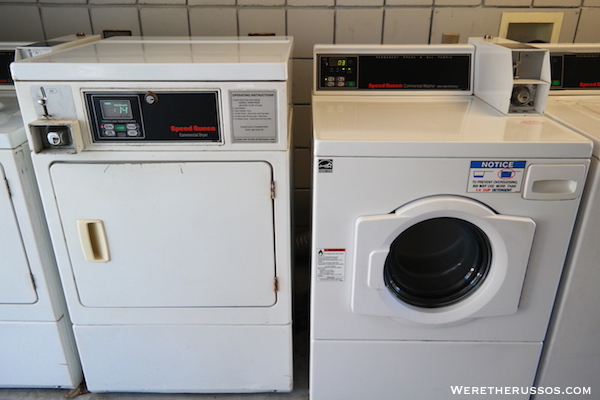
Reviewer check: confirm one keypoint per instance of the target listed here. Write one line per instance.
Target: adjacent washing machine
(164, 169)
(37, 347)
(571, 357)
(440, 227)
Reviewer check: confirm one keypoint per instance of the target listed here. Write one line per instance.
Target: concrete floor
(300, 392)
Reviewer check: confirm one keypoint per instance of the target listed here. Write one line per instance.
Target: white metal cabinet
(16, 286)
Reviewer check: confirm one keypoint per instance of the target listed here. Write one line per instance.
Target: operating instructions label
(496, 176)
(331, 265)
(254, 116)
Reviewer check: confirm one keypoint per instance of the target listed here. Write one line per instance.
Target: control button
(341, 83)
(330, 84)
(351, 84)
(133, 133)
(331, 79)
(131, 126)
(341, 78)
(109, 126)
(109, 132)
(120, 128)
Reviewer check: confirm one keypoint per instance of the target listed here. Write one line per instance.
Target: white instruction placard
(331, 265)
(254, 116)
(496, 176)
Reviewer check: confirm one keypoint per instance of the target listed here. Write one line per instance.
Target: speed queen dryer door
(16, 286)
(188, 234)
(440, 260)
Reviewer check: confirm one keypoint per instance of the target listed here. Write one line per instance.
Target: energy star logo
(325, 166)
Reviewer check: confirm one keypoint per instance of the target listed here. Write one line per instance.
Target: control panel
(6, 57)
(575, 70)
(339, 72)
(424, 72)
(154, 116)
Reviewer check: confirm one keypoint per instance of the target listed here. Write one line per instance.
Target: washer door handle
(92, 237)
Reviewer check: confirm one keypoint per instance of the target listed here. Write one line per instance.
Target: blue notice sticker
(493, 176)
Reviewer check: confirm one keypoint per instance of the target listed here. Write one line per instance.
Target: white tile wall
(359, 25)
(308, 21)
(60, 21)
(302, 126)
(588, 31)
(398, 26)
(64, 1)
(113, 2)
(302, 78)
(480, 21)
(115, 18)
(508, 3)
(261, 2)
(556, 3)
(261, 20)
(211, 2)
(309, 26)
(164, 21)
(20, 23)
(213, 21)
(170, 2)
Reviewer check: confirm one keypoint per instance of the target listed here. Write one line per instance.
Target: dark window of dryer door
(437, 262)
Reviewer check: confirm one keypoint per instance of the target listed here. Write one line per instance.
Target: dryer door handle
(92, 237)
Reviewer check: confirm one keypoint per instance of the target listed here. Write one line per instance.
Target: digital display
(116, 109)
(338, 62)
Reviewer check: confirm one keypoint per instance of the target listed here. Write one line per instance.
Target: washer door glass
(437, 262)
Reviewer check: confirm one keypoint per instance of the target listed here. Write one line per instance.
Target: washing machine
(37, 348)
(164, 170)
(440, 227)
(571, 356)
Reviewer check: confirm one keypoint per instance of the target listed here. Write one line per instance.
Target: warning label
(331, 265)
(496, 176)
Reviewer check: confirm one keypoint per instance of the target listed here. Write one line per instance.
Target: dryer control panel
(154, 116)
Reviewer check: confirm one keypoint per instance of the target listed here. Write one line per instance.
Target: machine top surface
(423, 126)
(163, 59)
(581, 113)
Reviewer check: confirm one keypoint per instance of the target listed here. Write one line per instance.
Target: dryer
(37, 348)
(164, 168)
(571, 357)
(440, 227)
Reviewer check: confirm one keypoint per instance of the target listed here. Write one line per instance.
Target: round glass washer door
(437, 262)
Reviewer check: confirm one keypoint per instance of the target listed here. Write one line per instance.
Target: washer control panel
(421, 72)
(154, 116)
(575, 70)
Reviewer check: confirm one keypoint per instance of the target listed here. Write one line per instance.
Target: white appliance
(164, 169)
(571, 357)
(37, 348)
(440, 228)
(28, 50)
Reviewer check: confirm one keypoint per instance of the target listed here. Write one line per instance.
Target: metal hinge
(276, 285)
(272, 190)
